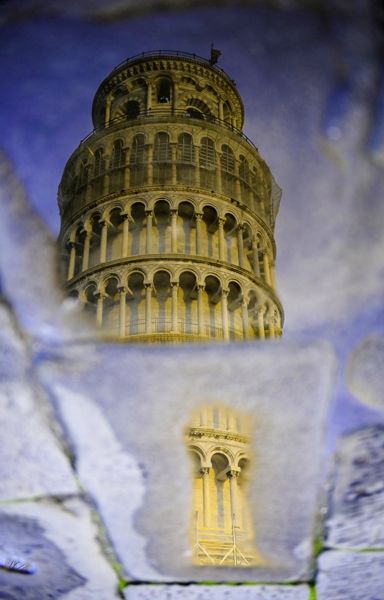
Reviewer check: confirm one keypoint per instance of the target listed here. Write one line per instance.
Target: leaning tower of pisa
(167, 220)
(168, 209)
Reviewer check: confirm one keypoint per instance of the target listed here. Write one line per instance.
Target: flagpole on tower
(215, 54)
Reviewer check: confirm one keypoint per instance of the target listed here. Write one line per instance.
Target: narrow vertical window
(137, 162)
(161, 158)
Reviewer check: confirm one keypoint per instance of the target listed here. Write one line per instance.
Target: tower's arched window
(207, 163)
(207, 153)
(227, 163)
(244, 174)
(244, 169)
(99, 162)
(185, 150)
(137, 160)
(138, 147)
(118, 155)
(132, 109)
(227, 112)
(161, 148)
(227, 159)
(185, 159)
(194, 113)
(161, 158)
(83, 174)
(164, 91)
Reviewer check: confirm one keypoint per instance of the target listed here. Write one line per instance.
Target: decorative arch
(197, 109)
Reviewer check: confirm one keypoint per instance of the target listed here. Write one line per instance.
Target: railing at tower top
(172, 54)
(176, 114)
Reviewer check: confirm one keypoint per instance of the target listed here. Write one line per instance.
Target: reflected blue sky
(311, 89)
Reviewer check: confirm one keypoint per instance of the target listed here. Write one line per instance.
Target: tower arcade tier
(168, 210)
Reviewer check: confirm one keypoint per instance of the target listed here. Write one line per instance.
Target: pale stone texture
(356, 516)
(218, 592)
(32, 462)
(351, 576)
(365, 372)
(148, 396)
(59, 539)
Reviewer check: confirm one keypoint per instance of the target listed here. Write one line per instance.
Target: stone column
(260, 322)
(198, 217)
(150, 164)
(267, 273)
(124, 249)
(221, 111)
(200, 309)
(149, 96)
(232, 476)
(244, 314)
(224, 314)
(99, 308)
(206, 499)
(255, 257)
(148, 307)
(108, 111)
(103, 241)
(221, 239)
(240, 247)
(123, 304)
(148, 248)
(86, 248)
(173, 164)
(72, 260)
(237, 185)
(174, 231)
(175, 322)
(273, 275)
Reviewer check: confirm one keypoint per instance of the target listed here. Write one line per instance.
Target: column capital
(100, 295)
(204, 471)
(148, 212)
(174, 284)
(87, 229)
(122, 289)
(224, 292)
(233, 473)
(148, 285)
(198, 216)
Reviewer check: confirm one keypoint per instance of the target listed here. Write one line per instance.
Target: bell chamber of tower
(168, 210)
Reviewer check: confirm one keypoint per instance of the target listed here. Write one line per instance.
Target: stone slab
(356, 514)
(216, 592)
(58, 540)
(146, 397)
(32, 461)
(365, 373)
(350, 576)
